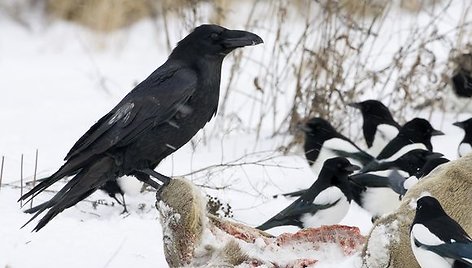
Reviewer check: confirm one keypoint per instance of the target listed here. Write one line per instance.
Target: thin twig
(34, 176)
(1, 171)
(21, 180)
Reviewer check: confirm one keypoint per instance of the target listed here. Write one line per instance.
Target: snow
(58, 79)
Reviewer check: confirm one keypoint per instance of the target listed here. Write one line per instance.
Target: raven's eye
(214, 36)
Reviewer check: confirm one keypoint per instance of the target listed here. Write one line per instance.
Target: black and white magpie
(415, 134)
(465, 146)
(322, 142)
(410, 162)
(378, 125)
(436, 239)
(429, 166)
(325, 202)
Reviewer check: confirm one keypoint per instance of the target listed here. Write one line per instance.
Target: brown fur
(451, 184)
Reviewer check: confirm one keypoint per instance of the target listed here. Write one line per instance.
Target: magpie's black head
(319, 128)
(430, 164)
(317, 131)
(414, 160)
(374, 110)
(213, 42)
(419, 130)
(428, 207)
(336, 170)
(340, 166)
(466, 125)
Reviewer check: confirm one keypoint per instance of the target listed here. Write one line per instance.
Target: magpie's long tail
(84, 183)
(271, 224)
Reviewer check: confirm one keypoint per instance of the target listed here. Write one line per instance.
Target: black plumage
(410, 162)
(325, 202)
(318, 133)
(374, 114)
(437, 239)
(156, 118)
(465, 146)
(416, 131)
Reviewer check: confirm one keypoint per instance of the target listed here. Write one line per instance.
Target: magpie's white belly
(379, 201)
(326, 153)
(464, 148)
(329, 216)
(384, 134)
(426, 258)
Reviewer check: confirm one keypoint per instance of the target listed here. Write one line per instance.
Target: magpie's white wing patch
(328, 196)
(424, 236)
(404, 150)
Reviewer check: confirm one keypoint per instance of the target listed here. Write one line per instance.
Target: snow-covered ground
(56, 80)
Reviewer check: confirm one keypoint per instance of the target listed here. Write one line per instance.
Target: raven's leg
(125, 210)
(121, 203)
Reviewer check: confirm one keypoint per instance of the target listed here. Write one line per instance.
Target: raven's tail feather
(87, 181)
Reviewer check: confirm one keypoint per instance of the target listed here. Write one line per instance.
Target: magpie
(436, 239)
(429, 166)
(415, 134)
(325, 202)
(155, 119)
(465, 146)
(379, 194)
(461, 77)
(378, 125)
(322, 142)
(410, 162)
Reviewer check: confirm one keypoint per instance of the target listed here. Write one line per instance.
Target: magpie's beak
(304, 128)
(352, 168)
(437, 132)
(235, 39)
(434, 155)
(458, 124)
(354, 105)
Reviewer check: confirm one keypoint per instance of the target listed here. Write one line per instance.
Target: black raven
(156, 118)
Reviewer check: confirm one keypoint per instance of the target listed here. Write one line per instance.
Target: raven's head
(213, 41)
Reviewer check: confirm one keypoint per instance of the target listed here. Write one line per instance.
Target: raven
(156, 118)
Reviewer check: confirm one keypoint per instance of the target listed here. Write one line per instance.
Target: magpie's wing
(152, 102)
(291, 214)
(391, 148)
(458, 251)
(361, 156)
(292, 194)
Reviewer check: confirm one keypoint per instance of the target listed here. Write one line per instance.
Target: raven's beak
(437, 132)
(235, 39)
(352, 168)
(354, 105)
(458, 124)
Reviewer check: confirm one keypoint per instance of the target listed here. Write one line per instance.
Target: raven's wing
(152, 102)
